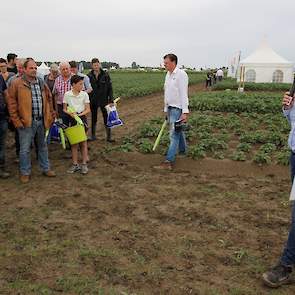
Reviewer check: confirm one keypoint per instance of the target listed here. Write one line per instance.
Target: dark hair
(73, 64)
(11, 56)
(28, 59)
(95, 60)
(172, 57)
(76, 78)
(2, 60)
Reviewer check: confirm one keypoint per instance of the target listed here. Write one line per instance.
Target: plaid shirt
(37, 100)
(60, 87)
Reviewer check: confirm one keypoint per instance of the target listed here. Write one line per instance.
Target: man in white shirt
(219, 75)
(176, 107)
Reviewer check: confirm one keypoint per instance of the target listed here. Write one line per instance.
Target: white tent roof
(43, 66)
(266, 55)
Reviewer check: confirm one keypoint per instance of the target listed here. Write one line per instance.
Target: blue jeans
(288, 256)
(26, 136)
(177, 139)
(3, 132)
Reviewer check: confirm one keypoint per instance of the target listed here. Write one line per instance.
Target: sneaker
(277, 276)
(74, 168)
(84, 169)
(164, 166)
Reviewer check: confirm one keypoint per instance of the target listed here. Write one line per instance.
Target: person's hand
(73, 115)
(287, 100)
(184, 118)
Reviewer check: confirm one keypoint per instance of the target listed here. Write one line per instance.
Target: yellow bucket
(76, 134)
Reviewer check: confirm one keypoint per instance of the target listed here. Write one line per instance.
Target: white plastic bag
(113, 116)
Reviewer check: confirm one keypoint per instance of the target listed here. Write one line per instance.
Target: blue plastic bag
(53, 133)
(113, 117)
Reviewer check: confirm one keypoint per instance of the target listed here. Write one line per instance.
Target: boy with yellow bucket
(76, 104)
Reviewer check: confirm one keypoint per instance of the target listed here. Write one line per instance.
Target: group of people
(213, 77)
(29, 104)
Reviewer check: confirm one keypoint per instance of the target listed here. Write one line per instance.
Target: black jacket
(102, 93)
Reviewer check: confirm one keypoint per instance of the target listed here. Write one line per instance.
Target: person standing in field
(20, 71)
(78, 101)
(50, 78)
(208, 80)
(176, 107)
(101, 96)
(3, 126)
(86, 82)
(11, 63)
(281, 273)
(31, 111)
(3, 70)
(62, 84)
(219, 75)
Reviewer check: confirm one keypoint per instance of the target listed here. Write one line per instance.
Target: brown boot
(164, 166)
(49, 173)
(24, 178)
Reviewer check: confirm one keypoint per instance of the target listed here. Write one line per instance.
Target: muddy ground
(209, 227)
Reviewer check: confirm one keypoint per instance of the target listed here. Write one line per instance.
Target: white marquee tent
(43, 70)
(266, 66)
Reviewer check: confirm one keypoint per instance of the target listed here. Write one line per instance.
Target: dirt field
(209, 227)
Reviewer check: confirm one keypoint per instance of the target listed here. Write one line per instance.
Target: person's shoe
(75, 168)
(164, 166)
(84, 169)
(92, 138)
(4, 174)
(277, 276)
(182, 154)
(24, 178)
(49, 173)
(109, 135)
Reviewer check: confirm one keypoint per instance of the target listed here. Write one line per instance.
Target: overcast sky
(200, 32)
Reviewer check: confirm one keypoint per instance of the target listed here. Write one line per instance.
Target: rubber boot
(93, 132)
(109, 135)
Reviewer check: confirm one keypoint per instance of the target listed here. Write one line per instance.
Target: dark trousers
(94, 110)
(65, 117)
(17, 146)
(288, 256)
(3, 132)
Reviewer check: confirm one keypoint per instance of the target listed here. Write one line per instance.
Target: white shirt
(219, 73)
(78, 102)
(176, 90)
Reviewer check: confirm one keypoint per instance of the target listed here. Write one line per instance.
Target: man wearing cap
(31, 111)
